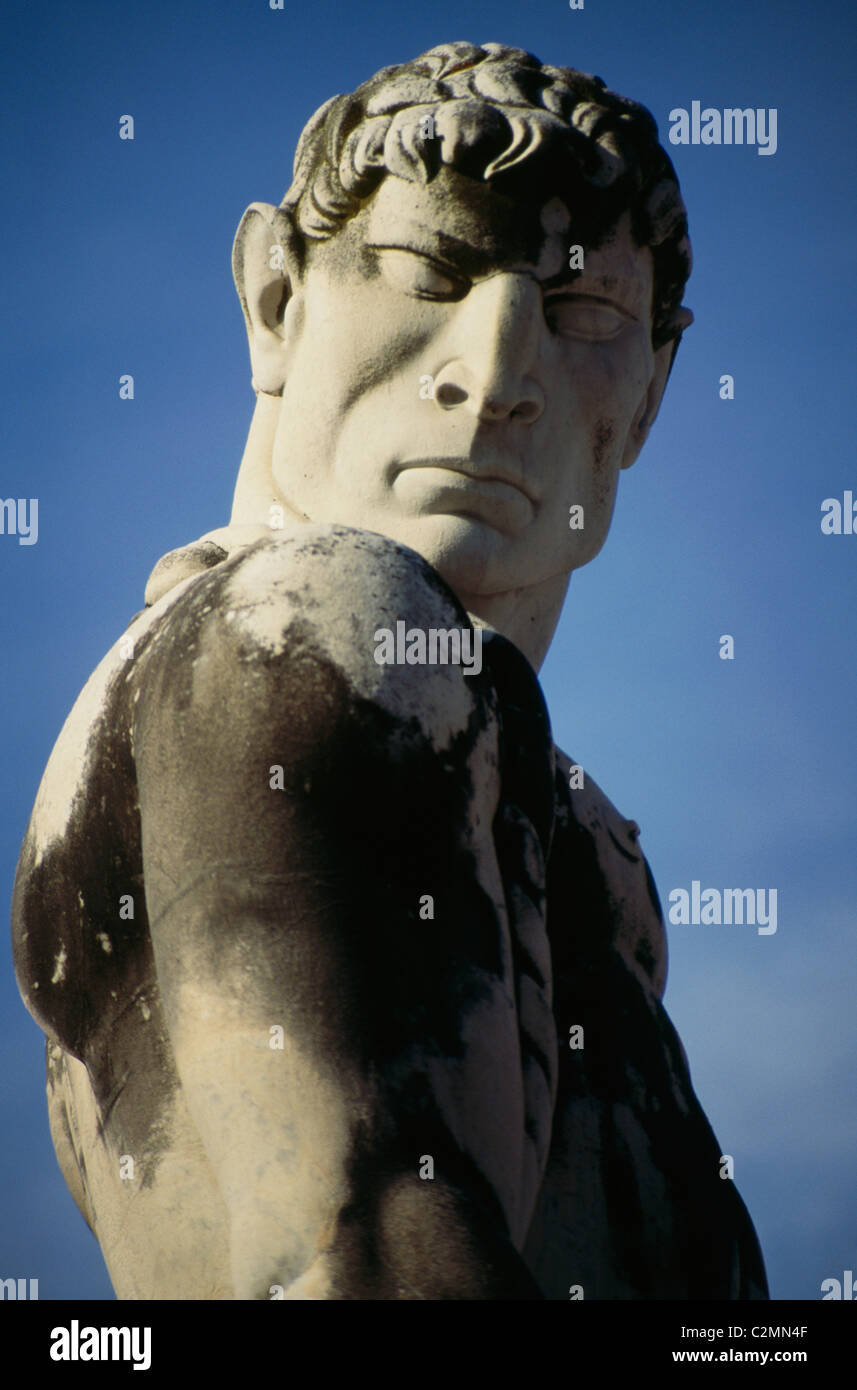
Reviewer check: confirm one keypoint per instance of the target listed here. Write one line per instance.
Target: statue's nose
(495, 339)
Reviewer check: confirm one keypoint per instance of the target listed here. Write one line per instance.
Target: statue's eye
(415, 274)
(574, 317)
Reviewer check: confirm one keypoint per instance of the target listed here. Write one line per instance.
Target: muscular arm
(303, 908)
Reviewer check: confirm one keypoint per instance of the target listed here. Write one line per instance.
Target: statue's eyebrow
(562, 279)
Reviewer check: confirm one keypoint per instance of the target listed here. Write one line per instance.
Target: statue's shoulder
(601, 849)
(291, 548)
(81, 859)
(78, 902)
(190, 561)
(92, 740)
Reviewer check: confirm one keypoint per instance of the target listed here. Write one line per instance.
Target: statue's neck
(255, 490)
(528, 617)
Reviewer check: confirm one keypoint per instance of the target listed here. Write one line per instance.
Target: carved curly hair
(497, 113)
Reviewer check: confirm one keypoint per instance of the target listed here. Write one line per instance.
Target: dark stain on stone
(602, 472)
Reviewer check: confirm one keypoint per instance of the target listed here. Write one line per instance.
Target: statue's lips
(465, 476)
(455, 487)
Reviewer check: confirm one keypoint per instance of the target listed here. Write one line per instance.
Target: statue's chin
(479, 563)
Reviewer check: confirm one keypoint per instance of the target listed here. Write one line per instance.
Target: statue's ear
(651, 402)
(266, 264)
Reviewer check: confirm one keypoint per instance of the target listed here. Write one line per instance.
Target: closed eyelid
(437, 262)
(464, 282)
(569, 297)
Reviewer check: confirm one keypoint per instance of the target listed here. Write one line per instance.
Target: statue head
(463, 314)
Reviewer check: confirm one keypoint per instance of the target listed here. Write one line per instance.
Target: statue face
(450, 383)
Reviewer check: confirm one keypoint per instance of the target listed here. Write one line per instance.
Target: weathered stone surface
(302, 923)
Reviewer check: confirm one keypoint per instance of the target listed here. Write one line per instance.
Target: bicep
(319, 859)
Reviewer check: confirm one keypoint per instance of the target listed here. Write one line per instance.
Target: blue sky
(741, 773)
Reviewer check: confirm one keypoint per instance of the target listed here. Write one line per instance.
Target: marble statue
(351, 979)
